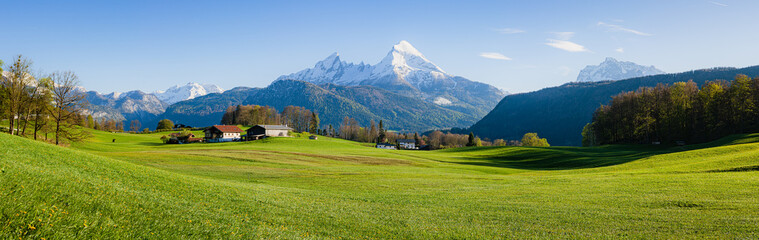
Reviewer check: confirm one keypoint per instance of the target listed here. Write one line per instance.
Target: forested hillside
(677, 113)
(560, 113)
(331, 102)
(206, 110)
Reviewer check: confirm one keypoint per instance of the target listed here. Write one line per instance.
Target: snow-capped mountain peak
(403, 59)
(332, 61)
(189, 91)
(403, 70)
(406, 48)
(613, 69)
(403, 63)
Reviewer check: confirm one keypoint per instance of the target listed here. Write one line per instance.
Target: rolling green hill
(560, 113)
(137, 187)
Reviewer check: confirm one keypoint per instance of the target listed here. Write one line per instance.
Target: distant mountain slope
(138, 105)
(133, 105)
(560, 113)
(611, 69)
(206, 110)
(401, 112)
(332, 102)
(408, 72)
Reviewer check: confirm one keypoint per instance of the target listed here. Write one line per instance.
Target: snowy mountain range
(191, 90)
(612, 69)
(138, 105)
(403, 63)
(405, 89)
(406, 71)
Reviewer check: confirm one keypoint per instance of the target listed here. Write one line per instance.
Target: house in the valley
(177, 138)
(385, 146)
(407, 144)
(261, 131)
(222, 133)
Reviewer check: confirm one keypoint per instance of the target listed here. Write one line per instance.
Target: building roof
(406, 141)
(179, 135)
(385, 144)
(227, 128)
(274, 127)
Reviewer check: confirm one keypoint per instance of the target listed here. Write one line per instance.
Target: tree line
(349, 129)
(678, 112)
(38, 104)
(299, 119)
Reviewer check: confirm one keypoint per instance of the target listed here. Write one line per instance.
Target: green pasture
(137, 187)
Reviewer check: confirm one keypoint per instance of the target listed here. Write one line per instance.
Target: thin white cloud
(563, 35)
(509, 30)
(620, 50)
(719, 4)
(565, 71)
(618, 28)
(492, 55)
(566, 45)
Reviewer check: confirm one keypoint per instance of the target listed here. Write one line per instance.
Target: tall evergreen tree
(470, 142)
(314, 122)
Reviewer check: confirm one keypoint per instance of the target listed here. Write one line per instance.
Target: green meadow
(138, 188)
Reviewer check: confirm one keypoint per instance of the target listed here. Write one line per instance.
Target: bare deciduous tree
(14, 84)
(135, 125)
(67, 102)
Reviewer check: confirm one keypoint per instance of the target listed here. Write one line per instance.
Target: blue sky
(528, 45)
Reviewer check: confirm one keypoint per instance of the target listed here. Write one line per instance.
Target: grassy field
(137, 187)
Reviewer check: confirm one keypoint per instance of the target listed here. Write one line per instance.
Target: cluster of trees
(103, 124)
(349, 129)
(680, 112)
(165, 124)
(375, 133)
(37, 103)
(298, 118)
(532, 140)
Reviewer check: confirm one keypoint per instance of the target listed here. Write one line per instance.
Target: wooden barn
(261, 131)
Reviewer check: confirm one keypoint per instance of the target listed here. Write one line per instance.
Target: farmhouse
(223, 133)
(175, 138)
(261, 131)
(407, 144)
(385, 146)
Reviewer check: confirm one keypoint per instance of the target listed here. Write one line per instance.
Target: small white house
(385, 146)
(407, 143)
(222, 133)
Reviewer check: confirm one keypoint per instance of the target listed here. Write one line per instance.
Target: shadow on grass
(556, 159)
(564, 158)
(152, 144)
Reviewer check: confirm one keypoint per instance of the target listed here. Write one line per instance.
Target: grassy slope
(330, 188)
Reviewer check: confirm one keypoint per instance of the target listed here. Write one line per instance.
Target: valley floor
(137, 187)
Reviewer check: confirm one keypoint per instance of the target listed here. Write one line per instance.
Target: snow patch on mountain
(189, 91)
(612, 69)
(442, 101)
